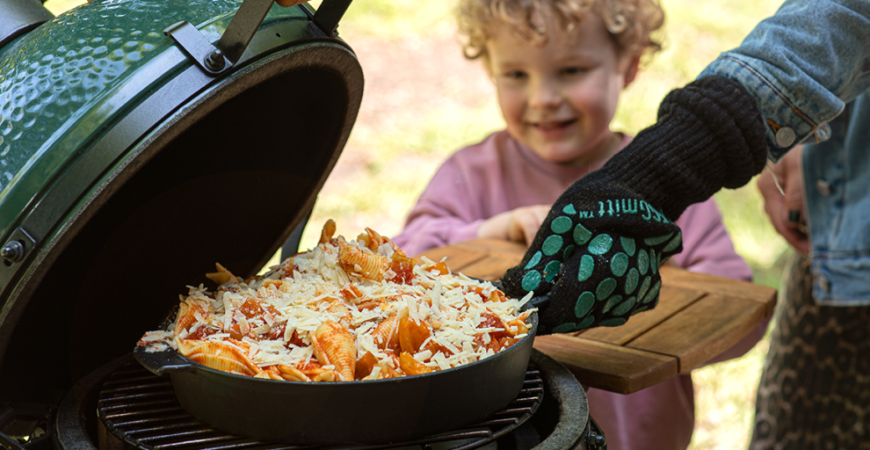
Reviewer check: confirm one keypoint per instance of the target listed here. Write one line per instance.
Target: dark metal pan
(359, 412)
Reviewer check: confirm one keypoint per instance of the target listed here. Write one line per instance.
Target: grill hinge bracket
(215, 60)
(20, 243)
(205, 55)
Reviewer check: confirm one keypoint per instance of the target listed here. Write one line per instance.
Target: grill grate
(140, 410)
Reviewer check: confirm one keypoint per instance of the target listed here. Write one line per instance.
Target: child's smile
(553, 130)
(558, 97)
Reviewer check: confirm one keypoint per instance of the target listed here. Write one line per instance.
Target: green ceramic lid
(127, 171)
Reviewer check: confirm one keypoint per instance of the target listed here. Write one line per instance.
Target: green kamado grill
(141, 141)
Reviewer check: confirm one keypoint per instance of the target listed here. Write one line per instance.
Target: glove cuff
(709, 135)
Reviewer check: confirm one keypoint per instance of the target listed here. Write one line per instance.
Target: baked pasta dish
(357, 310)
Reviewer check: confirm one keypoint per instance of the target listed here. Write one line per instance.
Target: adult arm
(802, 66)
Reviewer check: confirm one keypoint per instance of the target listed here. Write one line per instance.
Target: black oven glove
(597, 254)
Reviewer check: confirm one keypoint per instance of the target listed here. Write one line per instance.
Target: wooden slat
(673, 300)
(457, 257)
(495, 246)
(722, 286)
(490, 268)
(607, 366)
(702, 330)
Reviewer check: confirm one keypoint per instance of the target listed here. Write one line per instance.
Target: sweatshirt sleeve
(444, 214)
(707, 248)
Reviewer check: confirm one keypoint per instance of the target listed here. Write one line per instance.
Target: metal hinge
(17, 247)
(217, 59)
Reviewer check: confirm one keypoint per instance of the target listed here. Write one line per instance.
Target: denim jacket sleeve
(802, 65)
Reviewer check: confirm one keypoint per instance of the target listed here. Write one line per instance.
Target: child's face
(558, 98)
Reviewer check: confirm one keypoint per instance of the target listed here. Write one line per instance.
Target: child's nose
(544, 94)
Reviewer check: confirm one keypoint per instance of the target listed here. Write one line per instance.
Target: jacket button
(785, 137)
(823, 187)
(823, 132)
(824, 284)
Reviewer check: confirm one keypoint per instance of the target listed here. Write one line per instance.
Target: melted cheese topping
(469, 319)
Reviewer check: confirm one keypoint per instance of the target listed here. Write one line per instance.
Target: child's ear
(631, 70)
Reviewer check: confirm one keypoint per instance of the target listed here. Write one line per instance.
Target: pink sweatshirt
(499, 175)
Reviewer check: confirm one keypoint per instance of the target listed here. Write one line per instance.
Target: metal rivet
(785, 137)
(215, 60)
(13, 252)
(823, 187)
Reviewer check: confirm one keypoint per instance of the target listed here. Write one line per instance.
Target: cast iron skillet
(357, 412)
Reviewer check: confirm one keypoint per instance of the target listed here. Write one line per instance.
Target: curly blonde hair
(631, 23)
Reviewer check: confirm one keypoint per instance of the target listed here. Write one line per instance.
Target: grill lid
(127, 171)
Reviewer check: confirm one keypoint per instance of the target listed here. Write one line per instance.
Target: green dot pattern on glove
(536, 258)
(600, 244)
(584, 304)
(552, 270)
(657, 240)
(653, 293)
(569, 209)
(627, 245)
(581, 234)
(619, 264)
(624, 307)
(552, 245)
(675, 242)
(644, 286)
(569, 250)
(585, 322)
(614, 322)
(659, 259)
(611, 302)
(561, 224)
(531, 280)
(631, 281)
(639, 309)
(587, 265)
(565, 327)
(605, 288)
(642, 261)
(653, 261)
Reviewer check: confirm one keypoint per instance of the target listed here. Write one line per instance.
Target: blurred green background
(423, 101)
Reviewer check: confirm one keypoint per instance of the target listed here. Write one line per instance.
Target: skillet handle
(160, 363)
(540, 302)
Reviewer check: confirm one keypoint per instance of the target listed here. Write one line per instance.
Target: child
(559, 67)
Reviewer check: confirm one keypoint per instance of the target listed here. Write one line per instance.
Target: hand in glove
(598, 252)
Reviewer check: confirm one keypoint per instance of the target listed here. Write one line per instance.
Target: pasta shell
(386, 334)
(327, 231)
(219, 355)
(334, 345)
(222, 276)
(369, 265)
(291, 373)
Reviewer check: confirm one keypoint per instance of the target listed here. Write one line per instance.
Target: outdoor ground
(423, 101)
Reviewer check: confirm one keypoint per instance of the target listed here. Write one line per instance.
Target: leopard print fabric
(815, 387)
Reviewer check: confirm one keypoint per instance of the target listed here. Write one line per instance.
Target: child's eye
(573, 70)
(515, 75)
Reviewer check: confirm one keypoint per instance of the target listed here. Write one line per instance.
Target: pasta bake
(343, 311)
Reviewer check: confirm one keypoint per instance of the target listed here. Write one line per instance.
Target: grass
(407, 127)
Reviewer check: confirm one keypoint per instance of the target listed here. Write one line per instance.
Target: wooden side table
(698, 317)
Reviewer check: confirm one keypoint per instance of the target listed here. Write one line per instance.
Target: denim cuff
(841, 281)
(786, 123)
